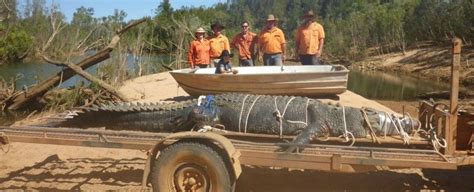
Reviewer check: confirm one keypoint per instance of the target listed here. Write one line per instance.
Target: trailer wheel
(190, 166)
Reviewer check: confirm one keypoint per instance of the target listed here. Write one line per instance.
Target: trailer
(212, 160)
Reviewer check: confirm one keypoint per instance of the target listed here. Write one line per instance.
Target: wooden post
(453, 107)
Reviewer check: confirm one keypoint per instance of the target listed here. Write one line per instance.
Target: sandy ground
(40, 167)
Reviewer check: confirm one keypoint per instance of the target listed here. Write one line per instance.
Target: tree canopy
(354, 28)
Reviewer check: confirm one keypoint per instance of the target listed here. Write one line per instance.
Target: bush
(14, 45)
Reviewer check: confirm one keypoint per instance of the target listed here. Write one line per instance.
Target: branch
(57, 27)
(126, 28)
(8, 9)
(81, 43)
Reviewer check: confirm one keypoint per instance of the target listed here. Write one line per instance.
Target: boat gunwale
(344, 70)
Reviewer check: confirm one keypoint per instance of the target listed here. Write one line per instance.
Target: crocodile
(302, 117)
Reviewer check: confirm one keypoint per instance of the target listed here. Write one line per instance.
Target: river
(370, 84)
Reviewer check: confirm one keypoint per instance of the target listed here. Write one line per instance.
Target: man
(271, 42)
(218, 43)
(244, 42)
(198, 54)
(310, 40)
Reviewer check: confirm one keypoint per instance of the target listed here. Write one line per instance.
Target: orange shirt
(307, 37)
(270, 40)
(218, 44)
(199, 52)
(244, 44)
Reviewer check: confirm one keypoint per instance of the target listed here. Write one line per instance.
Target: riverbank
(429, 62)
(432, 63)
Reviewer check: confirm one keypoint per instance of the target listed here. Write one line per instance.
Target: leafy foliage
(354, 28)
(14, 45)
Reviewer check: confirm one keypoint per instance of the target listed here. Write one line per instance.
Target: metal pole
(453, 107)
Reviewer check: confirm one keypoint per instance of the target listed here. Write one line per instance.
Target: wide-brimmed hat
(200, 30)
(271, 17)
(310, 13)
(217, 24)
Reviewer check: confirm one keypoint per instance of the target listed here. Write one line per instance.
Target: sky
(135, 9)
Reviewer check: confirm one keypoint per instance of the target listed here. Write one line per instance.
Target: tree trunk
(19, 100)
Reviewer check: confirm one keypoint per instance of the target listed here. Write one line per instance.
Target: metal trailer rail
(314, 156)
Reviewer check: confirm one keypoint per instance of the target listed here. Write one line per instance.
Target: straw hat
(271, 17)
(200, 30)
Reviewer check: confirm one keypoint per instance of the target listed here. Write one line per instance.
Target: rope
(415, 131)
(248, 114)
(281, 116)
(435, 141)
(346, 133)
(405, 137)
(241, 111)
(306, 116)
(207, 128)
(384, 126)
(372, 132)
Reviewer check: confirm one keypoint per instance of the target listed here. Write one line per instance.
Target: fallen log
(25, 96)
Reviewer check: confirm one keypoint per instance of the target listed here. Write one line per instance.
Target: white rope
(207, 128)
(405, 137)
(384, 126)
(241, 111)
(434, 137)
(281, 116)
(346, 133)
(248, 114)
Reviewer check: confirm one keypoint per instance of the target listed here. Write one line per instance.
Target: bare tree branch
(19, 100)
(57, 26)
(8, 9)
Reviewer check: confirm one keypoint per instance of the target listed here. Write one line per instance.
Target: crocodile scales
(302, 117)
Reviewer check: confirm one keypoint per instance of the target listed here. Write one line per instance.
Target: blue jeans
(272, 59)
(309, 60)
(245, 62)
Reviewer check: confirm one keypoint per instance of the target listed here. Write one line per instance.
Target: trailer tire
(188, 165)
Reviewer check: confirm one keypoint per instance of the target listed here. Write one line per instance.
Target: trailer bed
(314, 156)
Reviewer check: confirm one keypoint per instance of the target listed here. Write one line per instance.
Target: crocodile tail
(154, 117)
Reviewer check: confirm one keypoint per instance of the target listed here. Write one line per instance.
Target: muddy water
(391, 86)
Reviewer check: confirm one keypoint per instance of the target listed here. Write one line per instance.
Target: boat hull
(321, 80)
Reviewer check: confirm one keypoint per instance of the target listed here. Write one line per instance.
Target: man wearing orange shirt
(198, 53)
(244, 42)
(218, 43)
(310, 40)
(271, 42)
